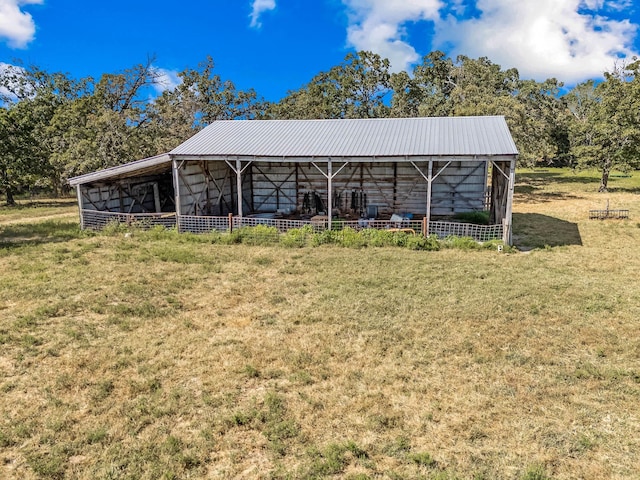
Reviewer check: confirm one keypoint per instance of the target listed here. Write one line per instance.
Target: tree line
(54, 126)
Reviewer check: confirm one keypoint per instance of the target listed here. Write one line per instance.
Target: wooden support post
(329, 193)
(231, 223)
(506, 234)
(80, 206)
(429, 182)
(239, 185)
(176, 188)
(156, 197)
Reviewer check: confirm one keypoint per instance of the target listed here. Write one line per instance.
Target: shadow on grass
(527, 194)
(530, 183)
(533, 230)
(611, 189)
(49, 231)
(546, 177)
(45, 203)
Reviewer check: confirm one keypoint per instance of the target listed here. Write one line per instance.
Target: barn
(418, 173)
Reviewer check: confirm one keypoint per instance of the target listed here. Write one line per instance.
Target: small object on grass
(608, 213)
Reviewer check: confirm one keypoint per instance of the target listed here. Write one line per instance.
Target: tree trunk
(604, 180)
(4, 181)
(10, 200)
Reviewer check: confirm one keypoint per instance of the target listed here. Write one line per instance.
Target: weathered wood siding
(132, 195)
(209, 188)
(392, 187)
(461, 187)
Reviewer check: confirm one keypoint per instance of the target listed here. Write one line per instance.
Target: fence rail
(201, 224)
(96, 220)
(480, 233)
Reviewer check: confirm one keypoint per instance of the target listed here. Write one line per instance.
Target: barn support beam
(239, 185)
(80, 205)
(330, 175)
(176, 187)
(329, 193)
(238, 169)
(429, 192)
(429, 177)
(506, 235)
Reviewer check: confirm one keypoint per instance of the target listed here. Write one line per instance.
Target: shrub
(325, 237)
(297, 237)
(418, 242)
(258, 235)
(377, 238)
(462, 243)
(477, 217)
(350, 238)
(114, 227)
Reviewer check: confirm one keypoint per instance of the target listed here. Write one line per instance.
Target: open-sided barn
(409, 172)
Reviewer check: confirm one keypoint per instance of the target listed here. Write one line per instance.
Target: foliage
(297, 237)
(475, 217)
(53, 126)
(606, 130)
(357, 88)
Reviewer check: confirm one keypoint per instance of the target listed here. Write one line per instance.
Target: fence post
(424, 226)
(231, 223)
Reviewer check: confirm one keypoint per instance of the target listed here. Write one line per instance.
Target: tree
(202, 97)
(107, 126)
(31, 97)
(606, 127)
(534, 112)
(357, 88)
(14, 145)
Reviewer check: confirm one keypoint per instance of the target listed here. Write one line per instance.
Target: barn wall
(130, 195)
(274, 187)
(392, 187)
(459, 188)
(204, 188)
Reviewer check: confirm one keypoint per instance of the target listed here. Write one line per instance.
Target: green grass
(160, 355)
(34, 208)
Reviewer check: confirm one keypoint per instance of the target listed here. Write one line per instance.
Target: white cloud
(543, 38)
(378, 26)
(572, 40)
(167, 79)
(17, 26)
(258, 8)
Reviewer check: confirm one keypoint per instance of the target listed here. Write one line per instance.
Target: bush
(297, 237)
(258, 235)
(476, 217)
(325, 237)
(378, 238)
(462, 243)
(350, 238)
(418, 242)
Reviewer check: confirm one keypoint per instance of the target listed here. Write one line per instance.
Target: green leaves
(606, 128)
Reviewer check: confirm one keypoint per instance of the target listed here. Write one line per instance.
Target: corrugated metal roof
(384, 137)
(146, 166)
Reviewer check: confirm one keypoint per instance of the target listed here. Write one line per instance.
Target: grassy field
(157, 355)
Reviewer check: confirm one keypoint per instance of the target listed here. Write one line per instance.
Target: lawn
(157, 355)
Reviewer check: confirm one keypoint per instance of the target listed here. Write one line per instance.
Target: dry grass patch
(38, 209)
(161, 356)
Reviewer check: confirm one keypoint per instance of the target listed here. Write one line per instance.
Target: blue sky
(278, 45)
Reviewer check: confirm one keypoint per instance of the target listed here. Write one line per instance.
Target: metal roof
(139, 168)
(383, 137)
